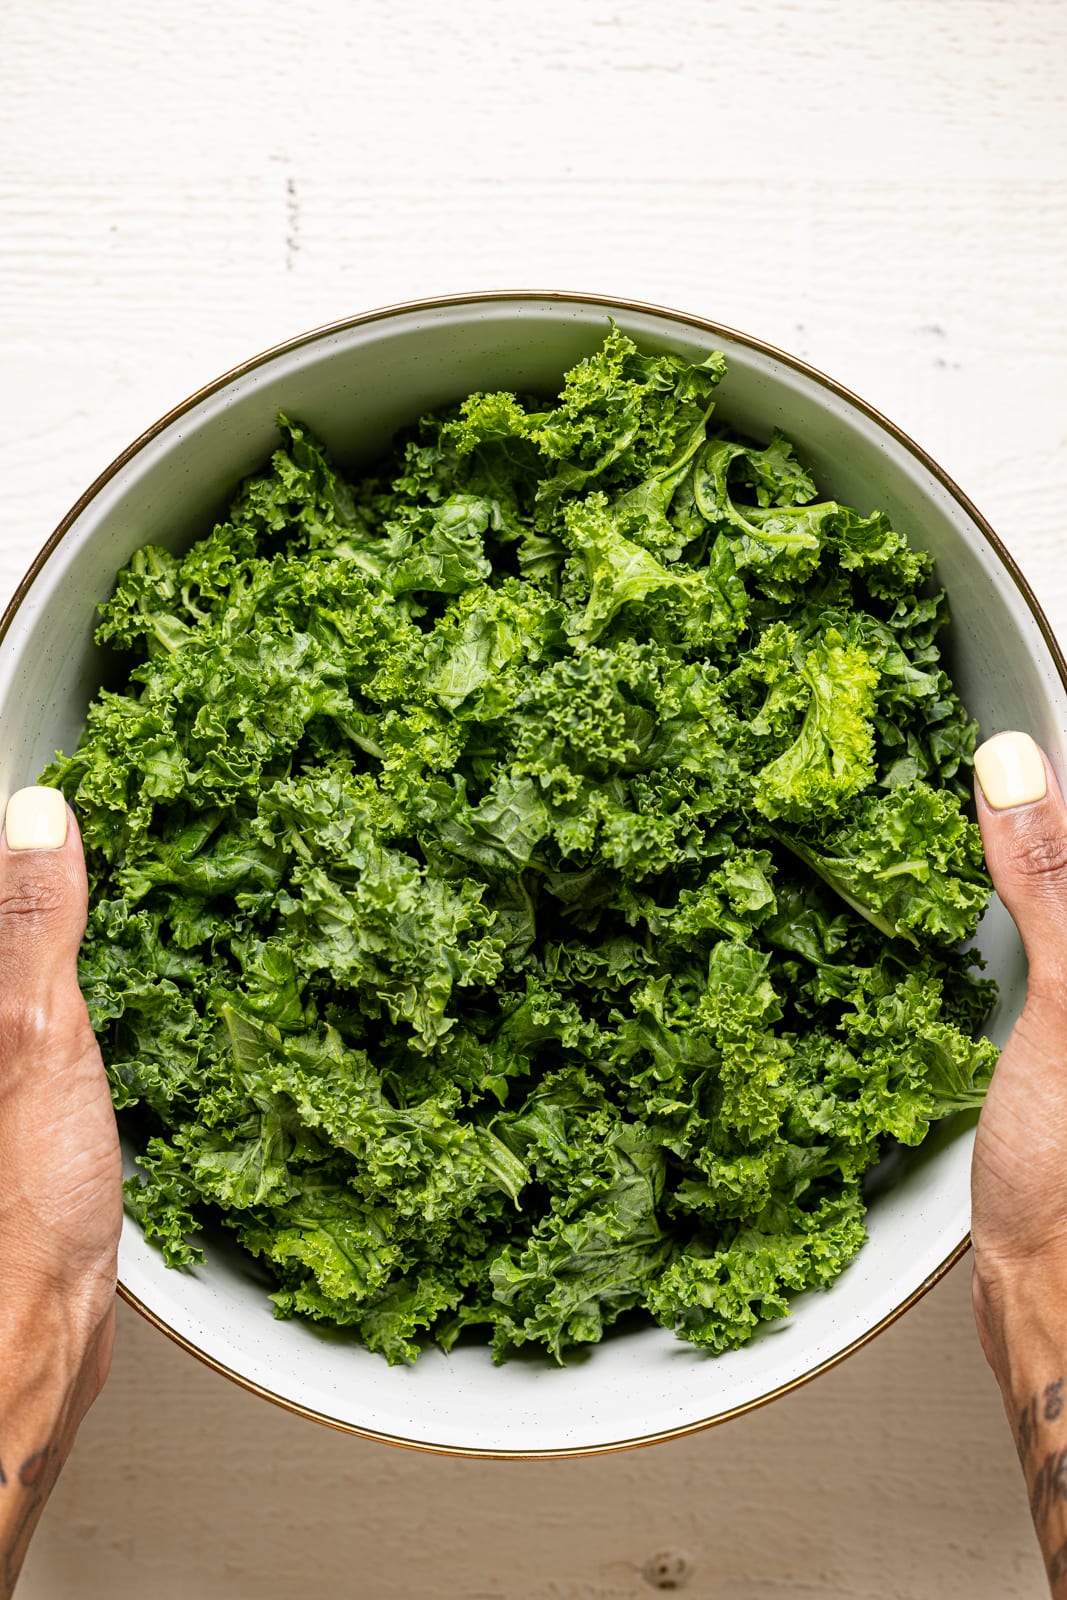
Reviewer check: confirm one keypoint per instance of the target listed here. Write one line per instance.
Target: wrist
(55, 1346)
(51, 1369)
(45, 1275)
(1021, 1311)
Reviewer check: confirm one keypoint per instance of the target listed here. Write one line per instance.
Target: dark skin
(61, 1203)
(1019, 1176)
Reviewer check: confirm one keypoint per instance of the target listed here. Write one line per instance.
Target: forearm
(51, 1368)
(33, 1432)
(1022, 1318)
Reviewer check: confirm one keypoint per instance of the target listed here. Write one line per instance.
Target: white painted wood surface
(874, 184)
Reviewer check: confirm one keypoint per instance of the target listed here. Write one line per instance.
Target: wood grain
(878, 187)
(890, 1478)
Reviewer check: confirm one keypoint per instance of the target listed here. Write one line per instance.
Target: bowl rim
(610, 303)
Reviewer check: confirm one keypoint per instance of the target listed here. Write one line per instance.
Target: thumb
(1023, 820)
(43, 897)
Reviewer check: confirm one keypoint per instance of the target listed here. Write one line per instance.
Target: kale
(528, 884)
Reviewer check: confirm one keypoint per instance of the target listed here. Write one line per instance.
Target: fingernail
(36, 819)
(1010, 769)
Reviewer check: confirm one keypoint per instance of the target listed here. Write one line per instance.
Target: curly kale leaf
(908, 861)
(832, 758)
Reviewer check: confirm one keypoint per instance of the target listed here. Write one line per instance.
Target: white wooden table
(874, 184)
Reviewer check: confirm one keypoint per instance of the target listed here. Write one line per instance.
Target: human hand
(60, 1172)
(1019, 1173)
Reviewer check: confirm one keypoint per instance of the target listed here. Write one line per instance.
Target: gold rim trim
(610, 303)
(570, 1452)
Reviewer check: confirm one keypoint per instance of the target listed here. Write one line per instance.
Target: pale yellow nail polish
(36, 819)
(1010, 769)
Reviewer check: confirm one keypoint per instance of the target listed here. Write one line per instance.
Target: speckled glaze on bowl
(355, 382)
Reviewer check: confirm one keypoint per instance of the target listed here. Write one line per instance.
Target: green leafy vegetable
(527, 885)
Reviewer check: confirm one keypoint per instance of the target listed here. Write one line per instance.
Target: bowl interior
(354, 385)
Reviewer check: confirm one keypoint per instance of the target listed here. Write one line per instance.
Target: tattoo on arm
(1044, 1405)
(1045, 1471)
(1057, 1567)
(36, 1476)
(1049, 1485)
(32, 1469)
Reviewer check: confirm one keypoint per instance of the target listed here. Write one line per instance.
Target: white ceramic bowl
(355, 382)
